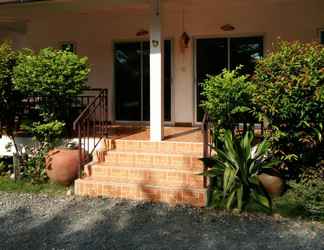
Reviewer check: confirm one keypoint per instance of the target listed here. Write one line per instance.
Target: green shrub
(46, 137)
(10, 98)
(228, 98)
(289, 95)
(55, 75)
(51, 72)
(234, 171)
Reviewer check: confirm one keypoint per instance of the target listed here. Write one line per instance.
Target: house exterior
(152, 54)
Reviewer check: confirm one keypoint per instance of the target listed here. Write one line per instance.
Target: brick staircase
(143, 170)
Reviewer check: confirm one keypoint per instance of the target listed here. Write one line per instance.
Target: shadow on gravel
(108, 224)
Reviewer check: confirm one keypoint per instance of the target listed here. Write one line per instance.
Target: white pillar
(156, 83)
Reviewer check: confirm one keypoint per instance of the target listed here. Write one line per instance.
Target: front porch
(142, 133)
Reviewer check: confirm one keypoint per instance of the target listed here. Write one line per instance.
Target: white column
(156, 83)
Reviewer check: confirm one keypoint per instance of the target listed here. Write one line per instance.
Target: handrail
(91, 127)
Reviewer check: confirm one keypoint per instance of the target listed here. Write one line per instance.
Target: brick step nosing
(159, 153)
(93, 181)
(105, 165)
(194, 154)
(140, 183)
(148, 146)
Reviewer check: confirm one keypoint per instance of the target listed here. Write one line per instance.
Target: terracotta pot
(273, 184)
(62, 165)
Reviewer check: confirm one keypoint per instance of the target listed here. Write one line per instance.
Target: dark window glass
(132, 81)
(213, 55)
(211, 59)
(128, 81)
(322, 37)
(245, 51)
(167, 80)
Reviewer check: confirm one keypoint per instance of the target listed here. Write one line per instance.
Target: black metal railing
(91, 126)
(71, 107)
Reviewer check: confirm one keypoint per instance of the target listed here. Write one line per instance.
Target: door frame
(172, 109)
(226, 36)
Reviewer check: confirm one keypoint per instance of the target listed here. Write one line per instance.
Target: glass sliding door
(128, 81)
(132, 81)
(211, 59)
(215, 54)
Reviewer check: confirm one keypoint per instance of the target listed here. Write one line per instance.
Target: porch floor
(178, 134)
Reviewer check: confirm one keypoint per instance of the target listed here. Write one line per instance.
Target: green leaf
(261, 199)
(230, 200)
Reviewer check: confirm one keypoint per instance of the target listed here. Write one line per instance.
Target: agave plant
(235, 169)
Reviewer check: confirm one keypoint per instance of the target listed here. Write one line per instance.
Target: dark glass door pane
(246, 51)
(132, 81)
(146, 81)
(128, 81)
(167, 80)
(211, 59)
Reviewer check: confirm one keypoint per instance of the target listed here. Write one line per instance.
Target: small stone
(12, 176)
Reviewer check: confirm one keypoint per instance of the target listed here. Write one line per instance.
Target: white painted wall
(95, 31)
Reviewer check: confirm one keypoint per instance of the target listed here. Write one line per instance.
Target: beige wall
(95, 32)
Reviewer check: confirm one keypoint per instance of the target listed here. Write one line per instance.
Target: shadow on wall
(110, 224)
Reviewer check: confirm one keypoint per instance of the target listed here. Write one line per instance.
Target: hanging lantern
(185, 39)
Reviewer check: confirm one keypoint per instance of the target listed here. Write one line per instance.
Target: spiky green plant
(235, 169)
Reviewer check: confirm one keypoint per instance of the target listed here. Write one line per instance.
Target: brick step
(166, 147)
(172, 195)
(150, 176)
(179, 162)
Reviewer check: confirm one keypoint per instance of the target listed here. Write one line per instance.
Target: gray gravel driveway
(42, 222)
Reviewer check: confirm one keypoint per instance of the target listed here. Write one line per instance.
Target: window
(322, 36)
(215, 54)
(68, 46)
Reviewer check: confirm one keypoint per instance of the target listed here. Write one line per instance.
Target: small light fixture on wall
(228, 27)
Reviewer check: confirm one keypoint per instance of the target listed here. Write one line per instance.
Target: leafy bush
(234, 172)
(10, 104)
(34, 169)
(54, 75)
(289, 95)
(46, 137)
(51, 73)
(46, 132)
(228, 98)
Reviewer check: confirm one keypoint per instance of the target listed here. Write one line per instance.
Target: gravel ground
(42, 222)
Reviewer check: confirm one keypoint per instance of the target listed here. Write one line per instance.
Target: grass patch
(290, 205)
(21, 186)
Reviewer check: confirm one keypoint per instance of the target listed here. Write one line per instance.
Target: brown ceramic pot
(62, 165)
(273, 184)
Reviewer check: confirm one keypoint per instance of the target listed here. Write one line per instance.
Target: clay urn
(273, 183)
(62, 165)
